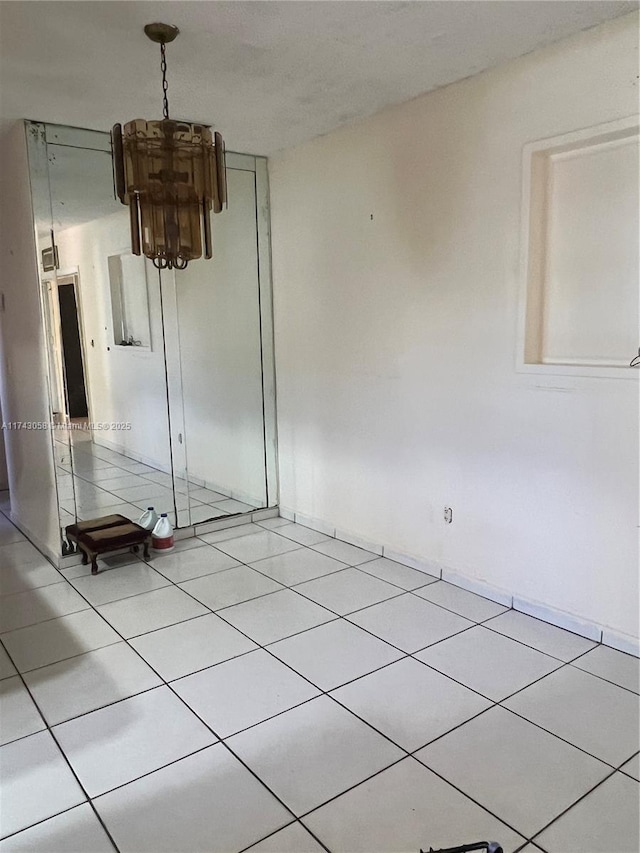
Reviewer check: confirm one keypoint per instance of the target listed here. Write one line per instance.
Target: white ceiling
(268, 74)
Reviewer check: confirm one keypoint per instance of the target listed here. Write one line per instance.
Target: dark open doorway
(72, 352)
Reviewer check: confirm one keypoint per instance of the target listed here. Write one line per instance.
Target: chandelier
(171, 174)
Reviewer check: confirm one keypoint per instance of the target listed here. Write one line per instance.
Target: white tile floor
(269, 688)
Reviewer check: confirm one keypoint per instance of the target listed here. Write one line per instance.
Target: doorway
(67, 376)
(71, 343)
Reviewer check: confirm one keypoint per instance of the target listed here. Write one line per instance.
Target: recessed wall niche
(580, 273)
(129, 300)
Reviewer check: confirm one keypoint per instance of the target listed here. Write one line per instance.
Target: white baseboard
(429, 567)
(493, 593)
(358, 541)
(263, 514)
(561, 619)
(184, 533)
(314, 523)
(621, 642)
(222, 523)
(199, 482)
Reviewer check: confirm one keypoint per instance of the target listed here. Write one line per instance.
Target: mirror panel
(219, 328)
(47, 267)
(161, 384)
(111, 419)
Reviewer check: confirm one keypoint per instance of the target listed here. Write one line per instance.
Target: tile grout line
(326, 693)
(411, 654)
(238, 758)
(338, 616)
(164, 683)
(569, 808)
(442, 778)
(220, 740)
(535, 649)
(87, 802)
(357, 567)
(67, 761)
(82, 714)
(440, 577)
(369, 725)
(281, 829)
(406, 755)
(548, 731)
(412, 592)
(498, 703)
(168, 685)
(44, 621)
(329, 694)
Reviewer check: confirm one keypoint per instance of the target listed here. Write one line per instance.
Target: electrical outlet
(448, 514)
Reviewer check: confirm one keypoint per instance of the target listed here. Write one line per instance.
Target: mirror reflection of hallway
(162, 388)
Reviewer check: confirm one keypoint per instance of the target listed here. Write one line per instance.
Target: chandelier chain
(165, 85)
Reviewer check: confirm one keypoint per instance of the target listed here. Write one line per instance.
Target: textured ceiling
(269, 74)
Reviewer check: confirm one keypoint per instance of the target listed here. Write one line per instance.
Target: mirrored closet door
(161, 384)
(226, 383)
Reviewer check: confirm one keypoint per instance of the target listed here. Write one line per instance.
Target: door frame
(64, 278)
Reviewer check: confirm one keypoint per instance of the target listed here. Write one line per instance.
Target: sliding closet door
(222, 360)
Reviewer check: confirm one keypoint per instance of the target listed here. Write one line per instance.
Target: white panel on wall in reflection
(129, 300)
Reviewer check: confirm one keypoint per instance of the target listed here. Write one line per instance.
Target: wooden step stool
(98, 536)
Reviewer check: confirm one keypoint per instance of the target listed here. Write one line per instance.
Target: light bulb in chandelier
(171, 174)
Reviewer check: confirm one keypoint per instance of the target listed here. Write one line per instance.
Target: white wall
(126, 384)
(396, 277)
(23, 363)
